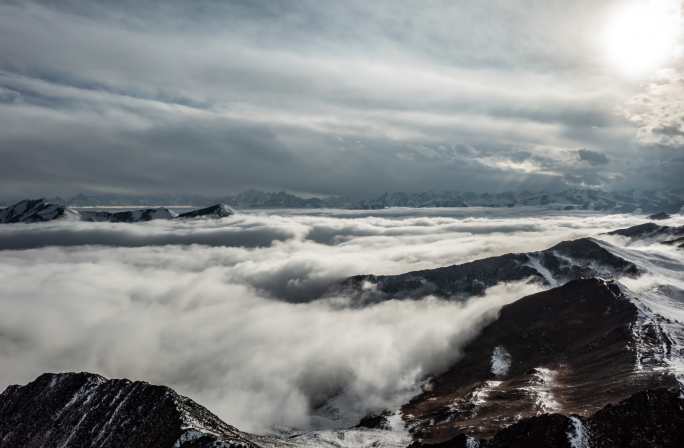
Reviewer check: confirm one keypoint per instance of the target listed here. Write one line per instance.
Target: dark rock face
(565, 261)
(32, 210)
(78, 410)
(570, 349)
(651, 418)
(214, 211)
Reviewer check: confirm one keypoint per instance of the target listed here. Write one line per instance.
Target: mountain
(39, 210)
(565, 261)
(651, 418)
(649, 230)
(214, 211)
(574, 199)
(35, 210)
(572, 350)
(79, 410)
(85, 410)
(658, 202)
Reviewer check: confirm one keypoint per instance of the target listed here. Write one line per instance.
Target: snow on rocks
(500, 361)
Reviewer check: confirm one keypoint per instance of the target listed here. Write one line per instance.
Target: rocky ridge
(39, 210)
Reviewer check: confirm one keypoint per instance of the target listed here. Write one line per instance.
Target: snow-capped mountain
(35, 210)
(657, 202)
(579, 199)
(40, 210)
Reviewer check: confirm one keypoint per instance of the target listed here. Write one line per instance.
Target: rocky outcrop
(565, 261)
(651, 418)
(80, 410)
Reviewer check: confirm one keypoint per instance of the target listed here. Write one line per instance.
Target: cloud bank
(236, 327)
(222, 96)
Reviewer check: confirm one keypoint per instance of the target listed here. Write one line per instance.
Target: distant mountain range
(575, 199)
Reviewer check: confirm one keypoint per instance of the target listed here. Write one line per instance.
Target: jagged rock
(80, 410)
(565, 261)
(214, 211)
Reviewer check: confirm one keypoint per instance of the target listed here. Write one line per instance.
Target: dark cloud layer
(356, 98)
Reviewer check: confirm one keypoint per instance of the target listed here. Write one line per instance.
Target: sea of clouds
(229, 312)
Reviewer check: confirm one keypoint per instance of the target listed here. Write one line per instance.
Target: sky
(355, 98)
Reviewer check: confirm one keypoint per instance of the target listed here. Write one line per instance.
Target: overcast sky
(336, 97)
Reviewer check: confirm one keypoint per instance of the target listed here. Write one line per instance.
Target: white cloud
(226, 325)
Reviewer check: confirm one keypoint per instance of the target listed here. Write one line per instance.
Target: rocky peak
(79, 410)
(34, 210)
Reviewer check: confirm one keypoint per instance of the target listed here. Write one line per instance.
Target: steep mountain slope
(651, 418)
(79, 410)
(563, 262)
(571, 349)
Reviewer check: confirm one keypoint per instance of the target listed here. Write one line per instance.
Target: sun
(642, 36)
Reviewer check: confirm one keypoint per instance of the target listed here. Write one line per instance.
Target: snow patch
(535, 263)
(541, 388)
(578, 434)
(472, 443)
(500, 361)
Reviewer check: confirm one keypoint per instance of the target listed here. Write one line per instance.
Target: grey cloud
(216, 97)
(592, 157)
(20, 239)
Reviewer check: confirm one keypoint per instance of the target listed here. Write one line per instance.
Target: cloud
(276, 97)
(256, 362)
(592, 157)
(658, 111)
(238, 327)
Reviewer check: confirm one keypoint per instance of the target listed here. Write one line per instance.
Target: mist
(240, 327)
